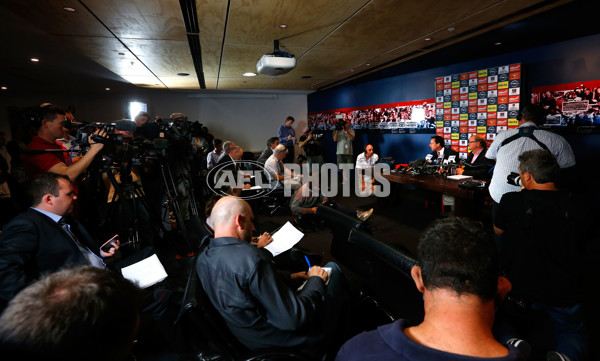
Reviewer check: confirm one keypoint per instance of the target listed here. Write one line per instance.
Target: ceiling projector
(277, 63)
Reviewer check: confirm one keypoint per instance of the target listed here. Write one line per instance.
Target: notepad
(285, 238)
(326, 269)
(146, 272)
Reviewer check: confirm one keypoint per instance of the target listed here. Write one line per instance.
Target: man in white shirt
(364, 168)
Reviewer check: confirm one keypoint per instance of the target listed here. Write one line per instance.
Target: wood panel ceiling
(148, 42)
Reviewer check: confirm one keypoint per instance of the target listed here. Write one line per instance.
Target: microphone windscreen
(125, 125)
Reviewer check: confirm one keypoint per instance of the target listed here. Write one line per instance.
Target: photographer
(545, 235)
(310, 142)
(344, 136)
(48, 122)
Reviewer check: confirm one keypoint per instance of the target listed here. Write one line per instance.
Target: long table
(467, 201)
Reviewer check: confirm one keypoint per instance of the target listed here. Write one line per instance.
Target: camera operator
(144, 127)
(545, 234)
(48, 123)
(344, 136)
(310, 142)
(509, 144)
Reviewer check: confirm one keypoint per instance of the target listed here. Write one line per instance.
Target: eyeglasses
(473, 141)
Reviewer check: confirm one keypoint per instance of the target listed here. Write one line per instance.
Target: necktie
(89, 255)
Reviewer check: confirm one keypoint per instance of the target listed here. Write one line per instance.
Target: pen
(307, 261)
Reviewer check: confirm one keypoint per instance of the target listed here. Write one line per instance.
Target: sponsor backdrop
(574, 106)
(406, 117)
(483, 102)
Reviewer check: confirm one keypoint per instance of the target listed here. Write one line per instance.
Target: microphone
(428, 158)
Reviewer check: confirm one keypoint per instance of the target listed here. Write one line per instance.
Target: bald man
(259, 308)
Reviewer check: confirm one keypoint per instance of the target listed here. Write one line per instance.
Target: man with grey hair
(258, 306)
(544, 237)
(280, 173)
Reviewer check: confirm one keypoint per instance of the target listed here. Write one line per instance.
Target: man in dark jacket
(45, 239)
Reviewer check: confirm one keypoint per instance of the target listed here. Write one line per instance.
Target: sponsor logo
(482, 87)
(447, 79)
(447, 111)
(447, 98)
(482, 108)
(472, 116)
(513, 122)
(492, 115)
(472, 129)
(472, 96)
(482, 80)
(221, 179)
(491, 122)
(455, 77)
(502, 85)
(492, 100)
(502, 100)
(492, 93)
(464, 76)
(455, 118)
(472, 75)
(501, 122)
(492, 79)
(513, 106)
(482, 101)
(439, 93)
(464, 97)
(447, 117)
(447, 105)
(439, 80)
(446, 131)
(455, 136)
(490, 136)
(455, 84)
(446, 124)
(454, 130)
(463, 123)
(503, 69)
(464, 83)
(502, 107)
(447, 91)
(472, 82)
(455, 141)
(481, 130)
(491, 129)
(439, 105)
(472, 103)
(502, 115)
(481, 122)
(514, 76)
(515, 67)
(462, 149)
(439, 124)
(473, 89)
(455, 91)
(491, 108)
(502, 92)
(462, 130)
(464, 108)
(455, 104)
(447, 136)
(464, 90)
(481, 95)
(514, 83)
(514, 91)
(513, 114)
(513, 99)
(463, 140)
(492, 86)
(481, 115)
(439, 87)
(455, 98)
(492, 71)
(464, 116)
(447, 86)
(482, 73)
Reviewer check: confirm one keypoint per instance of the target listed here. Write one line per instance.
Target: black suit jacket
(480, 168)
(447, 152)
(32, 245)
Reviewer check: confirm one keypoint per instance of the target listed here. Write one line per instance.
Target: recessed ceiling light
(69, 9)
(427, 39)
(35, 60)
(451, 29)
(183, 74)
(249, 74)
(498, 43)
(368, 64)
(283, 26)
(107, 89)
(3, 88)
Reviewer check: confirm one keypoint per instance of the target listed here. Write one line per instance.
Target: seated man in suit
(258, 306)
(268, 151)
(457, 274)
(477, 165)
(439, 149)
(45, 239)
